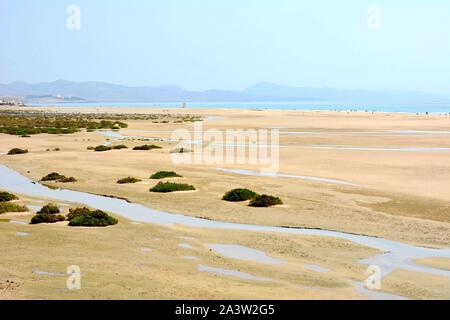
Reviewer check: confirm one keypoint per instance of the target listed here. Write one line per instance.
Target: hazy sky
(230, 44)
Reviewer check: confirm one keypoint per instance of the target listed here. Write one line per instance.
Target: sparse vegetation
(11, 207)
(120, 147)
(54, 176)
(49, 209)
(47, 218)
(17, 151)
(264, 201)
(128, 180)
(165, 174)
(6, 197)
(102, 148)
(73, 213)
(87, 218)
(146, 147)
(238, 195)
(49, 213)
(166, 187)
(26, 123)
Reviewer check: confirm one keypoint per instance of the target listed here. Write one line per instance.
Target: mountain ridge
(262, 91)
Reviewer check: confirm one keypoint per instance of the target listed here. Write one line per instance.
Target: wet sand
(373, 205)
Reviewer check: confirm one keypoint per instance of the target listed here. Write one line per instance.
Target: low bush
(128, 180)
(96, 218)
(17, 151)
(55, 176)
(52, 177)
(47, 218)
(120, 147)
(146, 147)
(73, 213)
(102, 148)
(11, 207)
(166, 187)
(6, 197)
(49, 209)
(165, 174)
(48, 214)
(264, 201)
(68, 180)
(238, 195)
(26, 123)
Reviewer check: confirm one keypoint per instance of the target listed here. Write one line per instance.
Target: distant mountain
(264, 91)
(102, 91)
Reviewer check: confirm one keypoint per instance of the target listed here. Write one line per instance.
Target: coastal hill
(264, 91)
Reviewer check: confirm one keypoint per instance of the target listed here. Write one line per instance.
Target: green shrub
(52, 177)
(48, 214)
(47, 218)
(146, 147)
(49, 209)
(237, 195)
(6, 197)
(102, 148)
(166, 187)
(17, 151)
(265, 201)
(119, 147)
(93, 219)
(26, 123)
(68, 180)
(165, 174)
(55, 176)
(128, 180)
(73, 213)
(11, 207)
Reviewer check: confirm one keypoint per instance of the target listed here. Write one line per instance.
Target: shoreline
(160, 107)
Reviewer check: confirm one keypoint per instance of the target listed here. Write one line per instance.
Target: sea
(432, 107)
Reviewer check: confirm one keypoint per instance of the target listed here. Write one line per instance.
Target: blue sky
(229, 44)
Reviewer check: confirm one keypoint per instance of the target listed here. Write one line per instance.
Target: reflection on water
(363, 148)
(244, 253)
(283, 175)
(230, 273)
(22, 234)
(316, 267)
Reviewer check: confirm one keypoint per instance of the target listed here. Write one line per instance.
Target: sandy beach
(376, 174)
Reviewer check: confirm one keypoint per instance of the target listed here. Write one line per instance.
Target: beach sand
(400, 192)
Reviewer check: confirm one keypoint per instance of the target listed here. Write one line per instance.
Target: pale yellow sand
(402, 196)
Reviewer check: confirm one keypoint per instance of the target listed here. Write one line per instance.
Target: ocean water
(432, 107)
